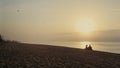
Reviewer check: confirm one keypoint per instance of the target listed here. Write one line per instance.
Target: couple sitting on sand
(88, 47)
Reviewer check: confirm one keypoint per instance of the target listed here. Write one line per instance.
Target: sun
(85, 27)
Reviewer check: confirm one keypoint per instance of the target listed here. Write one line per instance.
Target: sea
(113, 47)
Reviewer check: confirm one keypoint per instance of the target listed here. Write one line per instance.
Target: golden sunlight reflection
(83, 44)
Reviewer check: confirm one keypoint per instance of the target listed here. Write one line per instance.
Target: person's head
(86, 46)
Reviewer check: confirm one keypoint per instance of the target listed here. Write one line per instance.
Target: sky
(42, 21)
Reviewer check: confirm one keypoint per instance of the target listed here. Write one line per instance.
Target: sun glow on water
(83, 44)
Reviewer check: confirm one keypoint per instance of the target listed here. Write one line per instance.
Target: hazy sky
(59, 20)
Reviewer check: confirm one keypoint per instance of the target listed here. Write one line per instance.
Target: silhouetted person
(88, 47)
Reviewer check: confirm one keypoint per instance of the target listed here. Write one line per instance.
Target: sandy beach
(19, 55)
